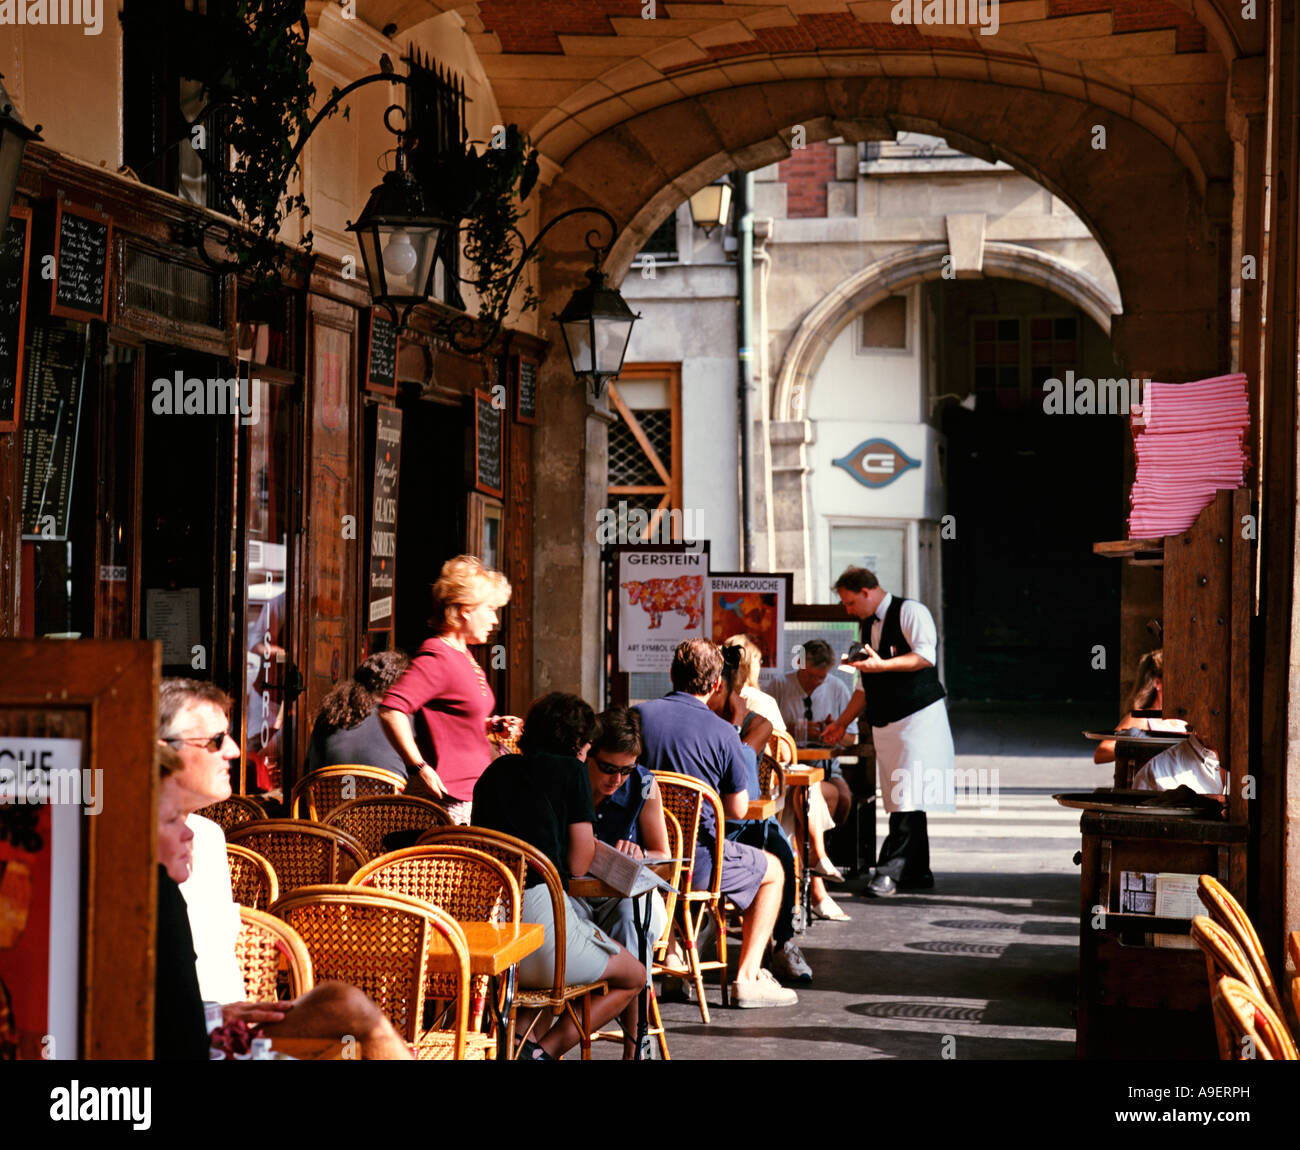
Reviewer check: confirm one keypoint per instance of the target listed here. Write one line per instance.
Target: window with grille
(644, 467)
(996, 361)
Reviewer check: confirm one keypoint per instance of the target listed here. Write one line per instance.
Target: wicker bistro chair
(302, 853)
(1254, 1028)
(520, 857)
(468, 884)
(233, 812)
(1227, 912)
(372, 819)
(384, 945)
(781, 746)
(685, 798)
(1223, 958)
(316, 794)
(1293, 947)
(265, 946)
(252, 878)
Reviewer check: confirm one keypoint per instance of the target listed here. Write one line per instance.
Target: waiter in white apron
(899, 688)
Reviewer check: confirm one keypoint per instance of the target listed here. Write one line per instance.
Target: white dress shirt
(214, 915)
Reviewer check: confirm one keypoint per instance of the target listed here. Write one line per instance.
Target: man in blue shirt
(680, 733)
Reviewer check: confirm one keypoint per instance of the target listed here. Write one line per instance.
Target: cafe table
(805, 778)
(494, 949)
(590, 887)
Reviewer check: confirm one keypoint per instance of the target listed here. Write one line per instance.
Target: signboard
(489, 473)
(525, 389)
(82, 242)
(753, 606)
(50, 421)
(14, 258)
(383, 520)
(876, 462)
(381, 356)
(662, 601)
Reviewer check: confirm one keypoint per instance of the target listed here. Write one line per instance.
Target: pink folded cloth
(1188, 439)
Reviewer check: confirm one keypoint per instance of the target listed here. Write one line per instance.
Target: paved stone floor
(983, 967)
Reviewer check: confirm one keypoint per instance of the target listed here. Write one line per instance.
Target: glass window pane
(879, 549)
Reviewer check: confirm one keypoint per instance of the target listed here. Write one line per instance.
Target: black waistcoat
(893, 695)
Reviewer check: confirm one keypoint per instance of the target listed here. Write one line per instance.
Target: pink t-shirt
(447, 695)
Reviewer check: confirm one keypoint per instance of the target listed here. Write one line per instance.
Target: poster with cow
(753, 606)
(661, 601)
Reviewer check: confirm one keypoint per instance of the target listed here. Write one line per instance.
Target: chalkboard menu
(383, 522)
(51, 414)
(82, 242)
(381, 359)
(13, 308)
(526, 389)
(488, 468)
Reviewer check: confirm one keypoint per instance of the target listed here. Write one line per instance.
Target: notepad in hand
(627, 875)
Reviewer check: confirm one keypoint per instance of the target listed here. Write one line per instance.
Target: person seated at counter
(1147, 696)
(193, 721)
(1188, 763)
(629, 818)
(543, 796)
(348, 731)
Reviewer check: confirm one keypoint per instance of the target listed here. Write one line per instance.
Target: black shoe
(881, 886)
(530, 1051)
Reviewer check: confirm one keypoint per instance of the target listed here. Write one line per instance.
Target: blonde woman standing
(445, 692)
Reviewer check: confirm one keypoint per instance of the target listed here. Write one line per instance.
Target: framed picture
(78, 852)
(489, 460)
(83, 246)
(753, 605)
(381, 346)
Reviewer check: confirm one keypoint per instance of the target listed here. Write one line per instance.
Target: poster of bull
(753, 606)
(661, 601)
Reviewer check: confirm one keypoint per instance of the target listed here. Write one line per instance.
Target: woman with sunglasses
(629, 817)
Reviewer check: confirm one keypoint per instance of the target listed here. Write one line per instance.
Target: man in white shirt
(815, 695)
(193, 719)
(900, 691)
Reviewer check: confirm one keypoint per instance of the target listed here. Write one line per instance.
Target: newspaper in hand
(630, 876)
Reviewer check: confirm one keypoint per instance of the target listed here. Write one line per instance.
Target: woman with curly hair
(347, 729)
(444, 693)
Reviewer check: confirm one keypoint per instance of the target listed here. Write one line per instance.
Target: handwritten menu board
(82, 242)
(13, 299)
(383, 523)
(489, 476)
(51, 415)
(381, 360)
(526, 389)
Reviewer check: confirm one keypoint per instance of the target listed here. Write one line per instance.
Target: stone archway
(1159, 213)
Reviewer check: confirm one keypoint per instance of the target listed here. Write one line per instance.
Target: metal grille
(172, 290)
(621, 505)
(628, 463)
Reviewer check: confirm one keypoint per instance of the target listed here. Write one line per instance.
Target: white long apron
(914, 761)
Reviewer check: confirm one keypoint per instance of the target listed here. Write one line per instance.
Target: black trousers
(766, 835)
(905, 854)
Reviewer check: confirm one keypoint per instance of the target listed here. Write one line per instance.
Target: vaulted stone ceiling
(567, 70)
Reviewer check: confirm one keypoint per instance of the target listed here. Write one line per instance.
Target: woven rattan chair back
(265, 947)
(1293, 948)
(1223, 957)
(1254, 1028)
(1227, 912)
(382, 943)
(302, 853)
(252, 878)
(676, 851)
(781, 746)
(469, 884)
(233, 812)
(374, 818)
(316, 794)
(770, 780)
(685, 798)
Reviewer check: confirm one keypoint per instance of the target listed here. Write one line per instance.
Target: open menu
(630, 876)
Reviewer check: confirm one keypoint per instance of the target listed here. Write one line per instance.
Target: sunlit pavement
(983, 966)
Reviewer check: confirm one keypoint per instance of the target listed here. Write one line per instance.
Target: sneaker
(789, 963)
(762, 991)
(829, 911)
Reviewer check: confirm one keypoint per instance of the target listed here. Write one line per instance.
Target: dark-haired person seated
(680, 733)
(543, 796)
(629, 818)
(193, 721)
(348, 731)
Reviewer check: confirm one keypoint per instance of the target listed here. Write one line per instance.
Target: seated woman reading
(543, 796)
(629, 818)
